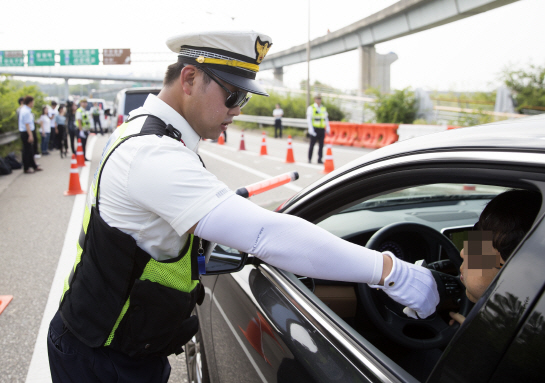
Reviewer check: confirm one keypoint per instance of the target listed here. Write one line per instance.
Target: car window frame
(384, 178)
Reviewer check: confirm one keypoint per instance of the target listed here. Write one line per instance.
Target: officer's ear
(187, 78)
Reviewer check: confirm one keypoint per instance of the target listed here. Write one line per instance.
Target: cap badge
(261, 49)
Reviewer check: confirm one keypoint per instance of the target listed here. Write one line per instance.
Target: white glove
(412, 286)
(81, 134)
(311, 132)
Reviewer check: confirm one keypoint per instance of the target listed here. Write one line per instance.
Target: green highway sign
(41, 58)
(79, 57)
(12, 58)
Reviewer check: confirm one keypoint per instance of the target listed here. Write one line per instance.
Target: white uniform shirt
(278, 113)
(26, 117)
(155, 188)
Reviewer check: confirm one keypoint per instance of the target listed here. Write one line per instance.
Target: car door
(267, 329)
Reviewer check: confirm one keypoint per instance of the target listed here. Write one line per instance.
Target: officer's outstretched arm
(303, 248)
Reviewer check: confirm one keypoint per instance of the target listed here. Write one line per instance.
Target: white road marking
(39, 372)
(247, 169)
(250, 358)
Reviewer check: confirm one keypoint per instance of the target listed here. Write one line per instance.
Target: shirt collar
(165, 112)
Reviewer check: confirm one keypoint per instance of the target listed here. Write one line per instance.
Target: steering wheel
(386, 314)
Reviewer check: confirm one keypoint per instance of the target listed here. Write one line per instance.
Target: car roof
(141, 90)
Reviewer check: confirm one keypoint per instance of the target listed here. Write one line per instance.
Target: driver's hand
(456, 317)
(412, 286)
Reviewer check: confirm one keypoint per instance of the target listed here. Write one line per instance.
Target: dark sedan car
(417, 199)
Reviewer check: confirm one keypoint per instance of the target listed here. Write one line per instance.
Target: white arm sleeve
(289, 242)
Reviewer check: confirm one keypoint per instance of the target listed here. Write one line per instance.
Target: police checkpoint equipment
(268, 184)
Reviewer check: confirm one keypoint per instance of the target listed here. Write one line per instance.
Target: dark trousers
(96, 120)
(35, 144)
(73, 133)
(319, 137)
(28, 152)
(278, 128)
(61, 141)
(72, 361)
(52, 139)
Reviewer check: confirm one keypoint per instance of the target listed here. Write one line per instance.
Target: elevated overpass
(400, 19)
(66, 76)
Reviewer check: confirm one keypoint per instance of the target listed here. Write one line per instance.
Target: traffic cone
(263, 146)
(79, 152)
(74, 187)
(242, 146)
(4, 301)
(328, 164)
(221, 140)
(289, 156)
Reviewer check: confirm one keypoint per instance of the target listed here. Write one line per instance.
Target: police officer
(83, 124)
(126, 304)
(318, 126)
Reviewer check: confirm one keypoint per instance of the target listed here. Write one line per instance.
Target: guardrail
(266, 120)
(6, 138)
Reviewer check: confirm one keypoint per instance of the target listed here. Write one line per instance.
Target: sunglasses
(234, 99)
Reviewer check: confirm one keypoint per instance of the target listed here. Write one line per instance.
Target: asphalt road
(36, 237)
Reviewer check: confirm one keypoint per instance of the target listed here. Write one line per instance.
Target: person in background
(318, 126)
(60, 131)
(26, 128)
(20, 101)
(45, 130)
(52, 114)
(95, 111)
(71, 108)
(278, 114)
(83, 124)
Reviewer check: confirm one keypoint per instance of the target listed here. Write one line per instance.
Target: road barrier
(363, 135)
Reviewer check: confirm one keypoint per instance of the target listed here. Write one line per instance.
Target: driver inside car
(503, 223)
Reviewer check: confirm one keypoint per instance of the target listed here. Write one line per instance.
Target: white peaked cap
(233, 56)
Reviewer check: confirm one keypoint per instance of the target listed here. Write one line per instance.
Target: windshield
(428, 194)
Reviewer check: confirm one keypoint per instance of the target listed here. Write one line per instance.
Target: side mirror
(224, 260)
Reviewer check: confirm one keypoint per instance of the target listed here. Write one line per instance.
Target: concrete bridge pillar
(279, 75)
(374, 69)
(66, 89)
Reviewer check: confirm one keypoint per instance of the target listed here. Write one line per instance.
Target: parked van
(129, 99)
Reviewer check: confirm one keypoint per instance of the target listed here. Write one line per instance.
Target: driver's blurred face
(475, 275)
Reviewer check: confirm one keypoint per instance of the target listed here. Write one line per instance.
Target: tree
(528, 86)
(9, 94)
(397, 108)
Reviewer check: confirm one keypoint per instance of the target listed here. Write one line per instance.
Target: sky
(466, 55)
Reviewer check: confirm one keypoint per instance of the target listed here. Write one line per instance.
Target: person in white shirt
(26, 130)
(45, 130)
(52, 113)
(318, 126)
(278, 114)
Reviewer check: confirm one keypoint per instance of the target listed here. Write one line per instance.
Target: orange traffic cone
(4, 301)
(74, 187)
(79, 152)
(263, 146)
(221, 140)
(328, 164)
(289, 156)
(242, 146)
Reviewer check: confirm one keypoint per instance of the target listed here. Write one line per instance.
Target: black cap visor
(243, 83)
